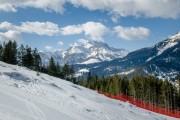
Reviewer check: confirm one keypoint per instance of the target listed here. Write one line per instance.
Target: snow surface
(127, 72)
(169, 45)
(84, 70)
(150, 58)
(176, 36)
(90, 61)
(170, 42)
(26, 96)
(173, 40)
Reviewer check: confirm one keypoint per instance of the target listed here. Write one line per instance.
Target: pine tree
(109, 86)
(66, 71)
(10, 52)
(14, 53)
(44, 69)
(71, 72)
(89, 77)
(116, 84)
(52, 67)
(36, 60)
(124, 85)
(28, 58)
(59, 71)
(6, 56)
(81, 81)
(1, 51)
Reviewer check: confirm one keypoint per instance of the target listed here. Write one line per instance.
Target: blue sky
(52, 25)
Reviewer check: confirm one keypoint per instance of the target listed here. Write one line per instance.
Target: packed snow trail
(26, 96)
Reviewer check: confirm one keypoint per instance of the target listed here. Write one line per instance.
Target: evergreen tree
(37, 60)
(59, 71)
(44, 69)
(6, 56)
(66, 71)
(52, 67)
(100, 84)
(14, 53)
(148, 89)
(89, 77)
(1, 51)
(110, 86)
(81, 81)
(115, 84)
(124, 85)
(9, 52)
(71, 72)
(161, 93)
(27, 59)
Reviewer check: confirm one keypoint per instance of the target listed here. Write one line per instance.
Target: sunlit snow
(25, 95)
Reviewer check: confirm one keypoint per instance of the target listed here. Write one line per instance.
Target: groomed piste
(26, 95)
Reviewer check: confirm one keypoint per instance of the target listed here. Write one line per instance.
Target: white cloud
(7, 8)
(71, 29)
(6, 25)
(11, 35)
(40, 28)
(143, 8)
(137, 8)
(46, 5)
(115, 18)
(92, 30)
(60, 43)
(48, 48)
(131, 33)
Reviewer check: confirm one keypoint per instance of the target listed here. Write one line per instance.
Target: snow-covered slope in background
(85, 53)
(26, 96)
(168, 43)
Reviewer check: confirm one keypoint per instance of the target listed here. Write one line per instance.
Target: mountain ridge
(161, 60)
(85, 53)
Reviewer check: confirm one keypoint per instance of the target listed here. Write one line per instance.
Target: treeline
(22, 56)
(146, 88)
(65, 72)
(30, 58)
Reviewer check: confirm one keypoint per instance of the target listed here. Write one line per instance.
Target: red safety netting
(144, 105)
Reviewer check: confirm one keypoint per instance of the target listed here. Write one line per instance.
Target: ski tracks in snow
(35, 110)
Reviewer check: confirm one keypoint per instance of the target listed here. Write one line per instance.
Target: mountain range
(161, 60)
(84, 53)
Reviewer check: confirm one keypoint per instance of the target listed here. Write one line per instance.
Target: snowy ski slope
(26, 96)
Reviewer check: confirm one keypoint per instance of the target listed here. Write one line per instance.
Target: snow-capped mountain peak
(86, 53)
(176, 36)
(161, 60)
(168, 43)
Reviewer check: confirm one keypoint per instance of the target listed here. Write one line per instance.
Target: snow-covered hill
(85, 53)
(25, 95)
